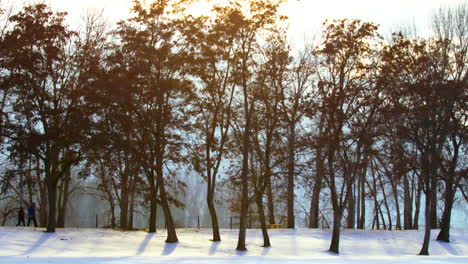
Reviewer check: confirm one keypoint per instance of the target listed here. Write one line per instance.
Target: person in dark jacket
(32, 214)
(20, 216)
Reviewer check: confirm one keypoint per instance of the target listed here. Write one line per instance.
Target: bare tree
(450, 25)
(345, 68)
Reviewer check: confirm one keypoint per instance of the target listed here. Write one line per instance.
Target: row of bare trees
(354, 120)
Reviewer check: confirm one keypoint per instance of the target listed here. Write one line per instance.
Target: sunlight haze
(305, 16)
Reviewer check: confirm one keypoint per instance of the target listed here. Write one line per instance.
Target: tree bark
(407, 203)
(385, 200)
(434, 222)
(427, 228)
(397, 205)
(211, 181)
(376, 203)
(171, 232)
(59, 203)
(124, 199)
(444, 234)
(132, 208)
(52, 194)
(214, 218)
(153, 203)
(362, 217)
(63, 202)
(376, 218)
(291, 173)
(152, 218)
(43, 196)
(112, 208)
(244, 197)
(315, 201)
(418, 206)
(43, 212)
(314, 207)
(261, 214)
(450, 190)
(270, 202)
(351, 211)
(335, 242)
(245, 163)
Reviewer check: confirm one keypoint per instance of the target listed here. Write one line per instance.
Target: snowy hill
(77, 246)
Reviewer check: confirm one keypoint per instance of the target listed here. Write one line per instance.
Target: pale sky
(305, 16)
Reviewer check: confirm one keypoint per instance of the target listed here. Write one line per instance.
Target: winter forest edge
(168, 120)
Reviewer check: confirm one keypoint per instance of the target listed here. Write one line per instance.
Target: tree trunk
(397, 205)
(335, 242)
(132, 209)
(211, 192)
(124, 199)
(52, 194)
(291, 167)
(110, 199)
(444, 234)
(152, 218)
(434, 222)
(350, 208)
(407, 203)
(214, 218)
(63, 206)
(153, 202)
(315, 201)
(376, 203)
(171, 232)
(427, 228)
(362, 189)
(245, 170)
(43, 196)
(418, 206)
(382, 217)
(270, 202)
(63, 202)
(261, 214)
(358, 202)
(244, 205)
(43, 210)
(59, 203)
(376, 218)
(112, 210)
(267, 180)
(387, 208)
(314, 207)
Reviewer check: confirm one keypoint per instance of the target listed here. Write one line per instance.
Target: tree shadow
(328, 252)
(144, 243)
(214, 246)
(266, 250)
(169, 248)
(44, 237)
(241, 252)
(448, 247)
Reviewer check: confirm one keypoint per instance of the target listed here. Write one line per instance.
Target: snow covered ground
(77, 246)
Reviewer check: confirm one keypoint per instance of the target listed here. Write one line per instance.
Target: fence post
(198, 222)
(231, 222)
(96, 221)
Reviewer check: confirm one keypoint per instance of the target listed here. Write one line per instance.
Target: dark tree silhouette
(345, 66)
(48, 93)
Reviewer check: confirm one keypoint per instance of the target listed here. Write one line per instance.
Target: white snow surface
(78, 246)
